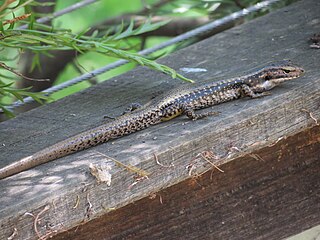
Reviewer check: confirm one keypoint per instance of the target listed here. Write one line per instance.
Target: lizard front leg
(247, 91)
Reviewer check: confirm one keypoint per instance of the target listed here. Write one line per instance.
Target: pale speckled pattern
(180, 101)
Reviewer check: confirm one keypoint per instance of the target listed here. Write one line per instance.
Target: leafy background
(128, 26)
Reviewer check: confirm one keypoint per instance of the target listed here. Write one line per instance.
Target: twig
(77, 202)
(208, 155)
(15, 9)
(154, 195)
(16, 19)
(46, 208)
(157, 160)
(128, 16)
(160, 199)
(62, 12)
(311, 115)
(155, 6)
(3, 65)
(231, 151)
(138, 179)
(239, 4)
(173, 28)
(190, 167)
(278, 140)
(6, 4)
(131, 168)
(89, 208)
(256, 157)
(12, 236)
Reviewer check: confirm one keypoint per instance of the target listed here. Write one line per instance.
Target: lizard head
(272, 75)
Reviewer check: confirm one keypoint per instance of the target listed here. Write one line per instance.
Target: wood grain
(272, 197)
(73, 195)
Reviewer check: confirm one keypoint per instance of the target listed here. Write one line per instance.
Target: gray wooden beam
(271, 193)
(72, 194)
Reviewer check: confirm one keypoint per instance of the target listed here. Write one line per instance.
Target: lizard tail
(124, 125)
(66, 147)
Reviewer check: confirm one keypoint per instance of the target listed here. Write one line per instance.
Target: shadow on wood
(265, 192)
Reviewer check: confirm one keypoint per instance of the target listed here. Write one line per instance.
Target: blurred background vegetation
(91, 37)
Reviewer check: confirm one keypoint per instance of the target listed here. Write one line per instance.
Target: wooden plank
(272, 193)
(72, 193)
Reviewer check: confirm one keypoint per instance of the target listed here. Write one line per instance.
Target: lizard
(181, 101)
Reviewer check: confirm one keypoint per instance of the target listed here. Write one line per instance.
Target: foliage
(61, 39)
(7, 90)
(40, 38)
(71, 32)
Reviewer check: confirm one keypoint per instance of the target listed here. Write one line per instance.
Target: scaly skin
(180, 101)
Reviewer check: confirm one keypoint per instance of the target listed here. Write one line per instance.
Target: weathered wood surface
(72, 193)
(267, 195)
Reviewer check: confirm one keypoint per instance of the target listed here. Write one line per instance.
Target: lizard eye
(286, 70)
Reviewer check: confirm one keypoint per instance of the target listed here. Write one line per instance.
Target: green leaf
(143, 28)
(1, 27)
(3, 85)
(78, 36)
(11, 26)
(37, 38)
(6, 111)
(16, 94)
(39, 96)
(127, 32)
(148, 26)
(35, 62)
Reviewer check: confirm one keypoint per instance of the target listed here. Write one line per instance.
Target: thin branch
(175, 26)
(6, 4)
(17, 8)
(128, 16)
(19, 74)
(239, 4)
(16, 19)
(200, 31)
(154, 7)
(62, 12)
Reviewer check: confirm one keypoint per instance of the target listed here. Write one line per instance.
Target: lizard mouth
(284, 74)
(283, 79)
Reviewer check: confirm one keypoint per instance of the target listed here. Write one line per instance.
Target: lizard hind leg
(190, 113)
(132, 107)
(179, 109)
